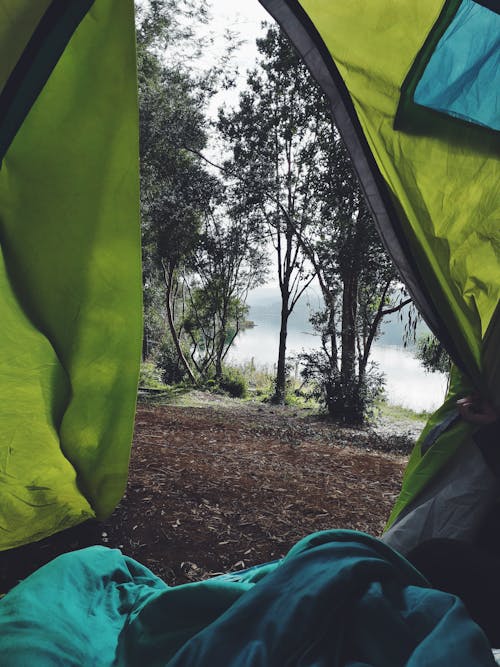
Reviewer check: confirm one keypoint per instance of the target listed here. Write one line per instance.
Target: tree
(432, 355)
(227, 263)
(176, 191)
(200, 267)
(293, 178)
(273, 138)
(358, 283)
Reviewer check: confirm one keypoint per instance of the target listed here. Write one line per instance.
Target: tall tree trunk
(280, 382)
(218, 366)
(220, 339)
(168, 275)
(349, 311)
(348, 405)
(219, 351)
(332, 331)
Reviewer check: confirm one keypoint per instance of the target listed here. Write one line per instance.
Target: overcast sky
(244, 19)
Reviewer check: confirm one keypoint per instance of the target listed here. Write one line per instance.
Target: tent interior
(414, 92)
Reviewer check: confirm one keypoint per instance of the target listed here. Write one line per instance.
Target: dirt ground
(219, 487)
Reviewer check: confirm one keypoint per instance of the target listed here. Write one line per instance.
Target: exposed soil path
(223, 487)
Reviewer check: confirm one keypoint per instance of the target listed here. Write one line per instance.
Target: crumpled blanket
(339, 598)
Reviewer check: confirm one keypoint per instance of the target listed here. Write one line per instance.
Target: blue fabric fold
(339, 598)
(462, 77)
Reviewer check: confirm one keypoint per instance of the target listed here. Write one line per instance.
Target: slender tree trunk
(280, 382)
(168, 277)
(218, 366)
(219, 350)
(332, 332)
(221, 340)
(348, 405)
(349, 310)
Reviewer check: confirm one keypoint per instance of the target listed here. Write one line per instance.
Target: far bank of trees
(285, 199)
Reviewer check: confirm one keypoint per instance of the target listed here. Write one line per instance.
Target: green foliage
(293, 178)
(167, 360)
(358, 284)
(154, 318)
(273, 138)
(199, 261)
(150, 376)
(349, 402)
(432, 355)
(234, 382)
(259, 378)
(176, 190)
(227, 262)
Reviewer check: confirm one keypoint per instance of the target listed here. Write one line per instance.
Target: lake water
(407, 384)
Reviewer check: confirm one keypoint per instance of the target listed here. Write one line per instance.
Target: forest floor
(218, 484)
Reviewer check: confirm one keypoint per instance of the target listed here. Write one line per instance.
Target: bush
(150, 376)
(234, 383)
(167, 360)
(350, 402)
(353, 402)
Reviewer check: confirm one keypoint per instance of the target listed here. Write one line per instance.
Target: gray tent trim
(440, 428)
(451, 506)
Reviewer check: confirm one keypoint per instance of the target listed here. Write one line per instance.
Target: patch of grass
(300, 399)
(162, 395)
(399, 412)
(150, 376)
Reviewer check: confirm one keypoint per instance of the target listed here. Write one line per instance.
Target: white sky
(245, 20)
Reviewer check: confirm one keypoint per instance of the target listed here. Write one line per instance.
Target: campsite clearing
(218, 485)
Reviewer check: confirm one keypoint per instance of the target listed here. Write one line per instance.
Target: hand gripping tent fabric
(70, 293)
(414, 90)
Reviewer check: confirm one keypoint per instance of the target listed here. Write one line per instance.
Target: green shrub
(353, 402)
(167, 360)
(259, 377)
(150, 376)
(348, 401)
(234, 383)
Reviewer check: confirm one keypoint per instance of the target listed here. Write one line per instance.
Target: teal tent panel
(462, 77)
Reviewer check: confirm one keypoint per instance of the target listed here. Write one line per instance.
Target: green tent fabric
(69, 232)
(431, 182)
(339, 598)
(70, 283)
(35, 63)
(18, 21)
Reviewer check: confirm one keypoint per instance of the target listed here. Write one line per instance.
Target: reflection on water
(407, 384)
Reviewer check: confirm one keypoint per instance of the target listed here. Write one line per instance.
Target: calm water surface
(407, 384)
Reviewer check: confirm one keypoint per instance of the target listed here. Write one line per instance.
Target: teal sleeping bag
(338, 598)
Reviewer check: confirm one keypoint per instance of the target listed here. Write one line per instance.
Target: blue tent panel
(462, 77)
